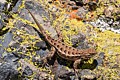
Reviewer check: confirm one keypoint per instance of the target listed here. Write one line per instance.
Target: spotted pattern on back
(67, 52)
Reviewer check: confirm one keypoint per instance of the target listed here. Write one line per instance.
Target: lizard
(63, 50)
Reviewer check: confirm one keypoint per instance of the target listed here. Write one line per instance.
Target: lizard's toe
(43, 62)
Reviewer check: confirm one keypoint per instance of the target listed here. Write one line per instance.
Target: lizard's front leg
(49, 56)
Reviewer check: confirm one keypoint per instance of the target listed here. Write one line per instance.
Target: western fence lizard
(64, 51)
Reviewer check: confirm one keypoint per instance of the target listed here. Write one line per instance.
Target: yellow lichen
(107, 41)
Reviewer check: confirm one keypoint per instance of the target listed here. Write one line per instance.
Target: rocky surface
(22, 46)
(8, 71)
(107, 24)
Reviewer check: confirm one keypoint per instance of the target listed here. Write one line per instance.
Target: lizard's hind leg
(75, 67)
(48, 56)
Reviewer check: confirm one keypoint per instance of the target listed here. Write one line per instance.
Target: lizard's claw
(44, 62)
(76, 71)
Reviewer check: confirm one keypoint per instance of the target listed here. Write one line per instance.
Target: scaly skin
(64, 51)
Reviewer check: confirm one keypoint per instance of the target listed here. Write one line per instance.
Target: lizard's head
(90, 53)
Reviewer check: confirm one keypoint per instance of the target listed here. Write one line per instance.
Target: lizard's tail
(39, 26)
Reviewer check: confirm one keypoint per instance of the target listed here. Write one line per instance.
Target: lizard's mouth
(90, 55)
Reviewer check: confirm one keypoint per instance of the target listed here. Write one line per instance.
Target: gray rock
(27, 71)
(87, 75)
(9, 57)
(7, 72)
(2, 1)
(1, 24)
(105, 23)
(16, 7)
(7, 39)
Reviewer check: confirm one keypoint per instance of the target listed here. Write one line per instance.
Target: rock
(2, 50)
(7, 39)
(82, 12)
(1, 24)
(100, 59)
(7, 71)
(87, 75)
(78, 41)
(61, 72)
(107, 24)
(5, 42)
(9, 57)
(16, 4)
(92, 5)
(27, 71)
(40, 45)
(108, 11)
(2, 1)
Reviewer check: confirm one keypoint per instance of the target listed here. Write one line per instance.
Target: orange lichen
(73, 15)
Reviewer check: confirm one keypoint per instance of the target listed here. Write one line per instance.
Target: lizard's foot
(75, 67)
(76, 73)
(45, 59)
(43, 62)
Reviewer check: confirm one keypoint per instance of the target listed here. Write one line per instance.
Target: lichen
(107, 41)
